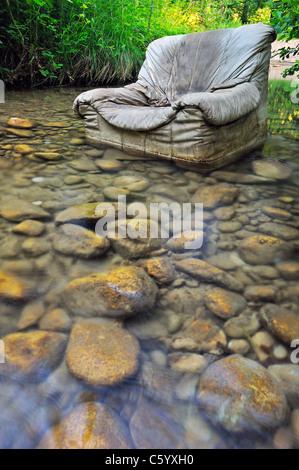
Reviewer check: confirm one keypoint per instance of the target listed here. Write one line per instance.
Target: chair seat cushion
(136, 118)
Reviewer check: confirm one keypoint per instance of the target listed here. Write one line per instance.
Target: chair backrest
(206, 61)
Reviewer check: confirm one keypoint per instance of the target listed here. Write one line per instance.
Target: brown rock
(206, 335)
(263, 249)
(288, 269)
(23, 149)
(31, 314)
(280, 322)
(56, 320)
(73, 240)
(213, 196)
(224, 304)
(240, 395)
(208, 273)
(20, 132)
(102, 355)
(18, 210)
(32, 355)
(20, 123)
(161, 270)
(90, 425)
(124, 291)
(12, 288)
(32, 228)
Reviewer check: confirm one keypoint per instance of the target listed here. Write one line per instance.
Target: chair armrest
(129, 95)
(223, 105)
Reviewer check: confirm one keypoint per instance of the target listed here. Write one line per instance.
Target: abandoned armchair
(200, 99)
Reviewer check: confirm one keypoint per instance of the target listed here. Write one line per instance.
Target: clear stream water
(158, 404)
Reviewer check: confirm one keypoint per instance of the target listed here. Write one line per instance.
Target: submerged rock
(122, 292)
(288, 269)
(271, 169)
(74, 240)
(206, 336)
(32, 228)
(282, 231)
(102, 355)
(90, 425)
(208, 273)
(240, 395)
(32, 355)
(31, 314)
(23, 149)
(20, 123)
(224, 304)
(84, 213)
(280, 322)
(56, 320)
(18, 210)
(20, 132)
(161, 430)
(213, 196)
(12, 288)
(109, 165)
(287, 375)
(161, 270)
(263, 249)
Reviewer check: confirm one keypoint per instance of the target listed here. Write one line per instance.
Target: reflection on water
(133, 343)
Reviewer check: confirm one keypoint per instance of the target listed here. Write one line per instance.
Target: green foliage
(52, 42)
(283, 113)
(285, 19)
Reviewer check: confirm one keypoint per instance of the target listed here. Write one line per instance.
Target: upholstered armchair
(200, 99)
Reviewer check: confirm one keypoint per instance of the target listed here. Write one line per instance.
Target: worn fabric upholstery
(200, 99)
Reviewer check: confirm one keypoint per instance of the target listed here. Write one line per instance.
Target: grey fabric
(221, 74)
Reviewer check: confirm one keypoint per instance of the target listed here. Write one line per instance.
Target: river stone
(241, 396)
(212, 196)
(282, 231)
(32, 355)
(50, 156)
(224, 213)
(239, 178)
(122, 292)
(276, 213)
(207, 336)
(20, 132)
(91, 425)
(58, 124)
(12, 288)
(161, 430)
(36, 246)
(113, 193)
(241, 326)
(288, 269)
(23, 149)
(73, 179)
(280, 322)
(136, 247)
(18, 210)
(31, 314)
(80, 214)
(102, 355)
(32, 228)
(131, 183)
(189, 237)
(20, 123)
(257, 293)
(287, 376)
(208, 273)
(55, 320)
(229, 227)
(161, 270)
(188, 362)
(73, 240)
(224, 304)
(83, 164)
(109, 165)
(271, 169)
(263, 249)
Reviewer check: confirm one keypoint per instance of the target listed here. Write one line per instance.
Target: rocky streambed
(142, 343)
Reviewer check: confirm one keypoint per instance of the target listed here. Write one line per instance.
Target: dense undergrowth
(84, 42)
